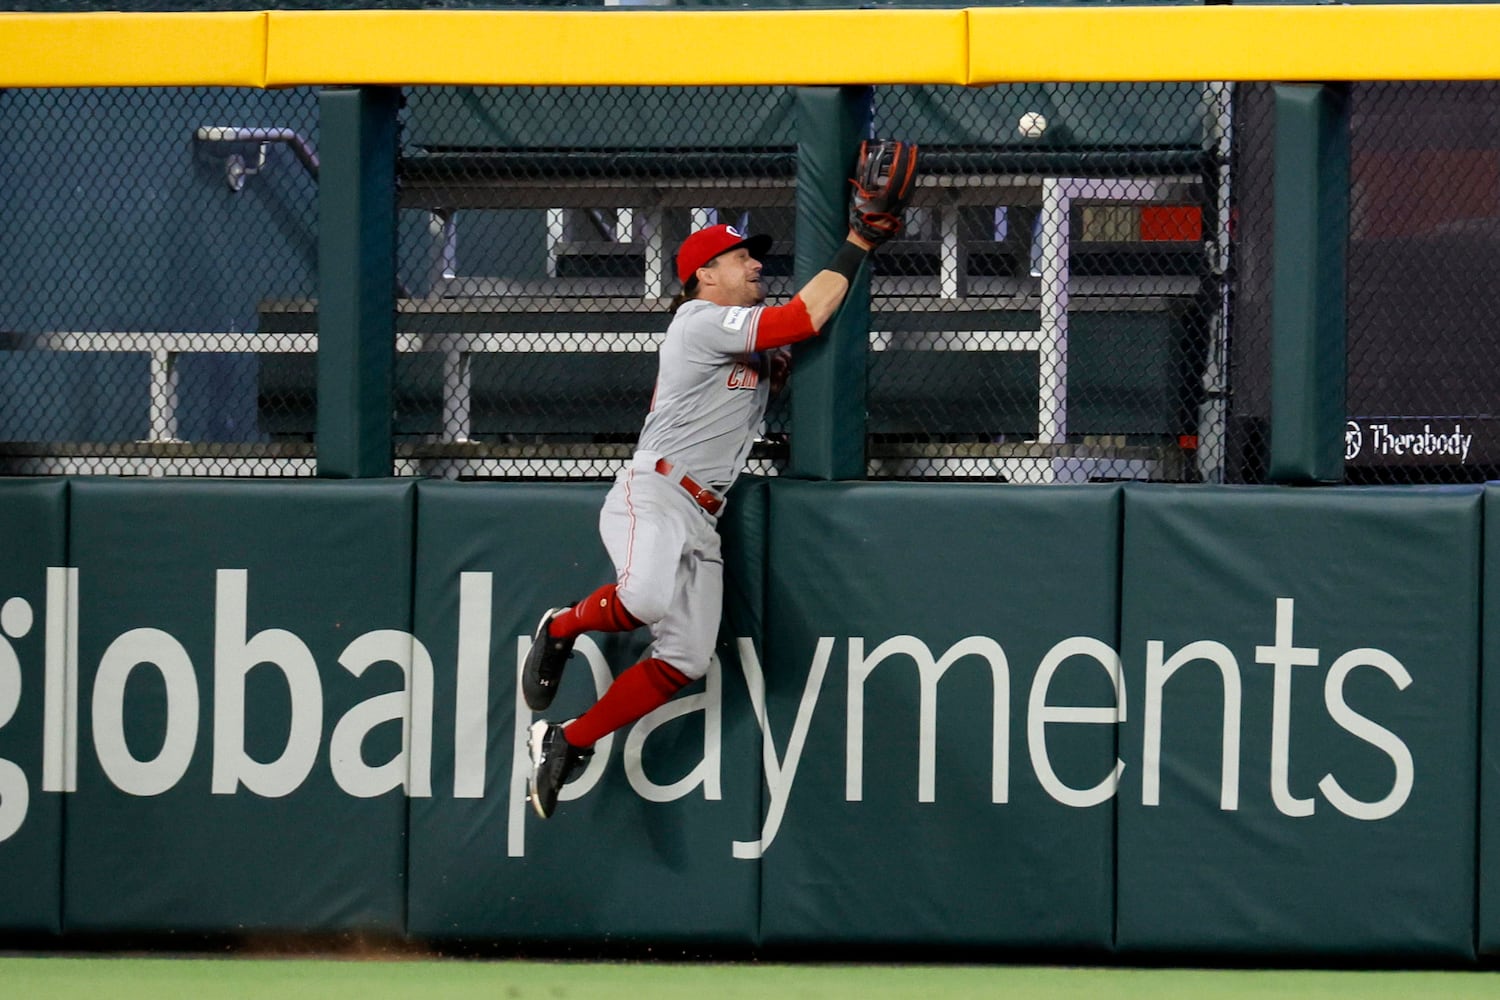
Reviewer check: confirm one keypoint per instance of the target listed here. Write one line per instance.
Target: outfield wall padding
(33, 536)
(1326, 641)
(952, 718)
(906, 625)
(186, 580)
(640, 849)
(1489, 728)
(976, 46)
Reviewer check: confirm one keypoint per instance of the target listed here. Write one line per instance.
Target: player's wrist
(848, 258)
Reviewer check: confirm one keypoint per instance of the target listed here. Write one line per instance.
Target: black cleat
(554, 763)
(544, 664)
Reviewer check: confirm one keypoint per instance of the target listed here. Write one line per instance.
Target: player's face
(734, 279)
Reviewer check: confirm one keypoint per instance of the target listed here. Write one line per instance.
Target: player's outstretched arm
(883, 181)
(826, 291)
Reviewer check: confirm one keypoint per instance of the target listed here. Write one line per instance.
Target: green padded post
(828, 406)
(1307, 310)
(356, 279)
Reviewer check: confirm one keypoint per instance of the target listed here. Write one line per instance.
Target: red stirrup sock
(648, 685)
(601, 611)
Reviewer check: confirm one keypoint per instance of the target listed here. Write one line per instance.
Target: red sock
(601, 611)
(647, 685)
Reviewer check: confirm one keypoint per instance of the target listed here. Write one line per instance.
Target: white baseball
(1032, 124)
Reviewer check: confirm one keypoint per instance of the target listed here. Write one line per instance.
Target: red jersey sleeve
(782, 325)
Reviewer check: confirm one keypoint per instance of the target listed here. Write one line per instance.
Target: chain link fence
(539, 230)
(1050, 313)
(1247, 383)
(1423, 246)
(146, 234)
(1054, 306)
(1423, 283)
(1082, 292)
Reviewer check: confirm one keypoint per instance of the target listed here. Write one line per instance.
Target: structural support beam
(1308, 341)
(356, 277)
(828, 404)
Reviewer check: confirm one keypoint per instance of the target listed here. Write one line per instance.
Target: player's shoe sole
(554, 763)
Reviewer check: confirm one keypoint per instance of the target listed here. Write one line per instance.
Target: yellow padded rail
(976, 46)
(1362, 42)
(133, 50)
(584, 48)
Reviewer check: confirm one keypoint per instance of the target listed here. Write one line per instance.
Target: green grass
(335, 979)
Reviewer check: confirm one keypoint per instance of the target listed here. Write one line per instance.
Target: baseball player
(659, 521)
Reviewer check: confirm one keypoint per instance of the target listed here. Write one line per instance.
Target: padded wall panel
(924, 796)
(1489, 727)
(190, 593)
(640, 848)
(1343, 625)
(33, 537)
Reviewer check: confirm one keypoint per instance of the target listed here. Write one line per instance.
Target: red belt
(706, 498)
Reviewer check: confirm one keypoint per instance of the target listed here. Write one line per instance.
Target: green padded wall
(187, 591)
(886, 806)
(1489, 727)
(994, 582)
(1346, 624)
(1309, 321)
(827, 433)
(33, 537)
(356, 359)
(615, 864)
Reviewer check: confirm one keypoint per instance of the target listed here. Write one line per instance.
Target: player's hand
(883, 184)
(780, 362)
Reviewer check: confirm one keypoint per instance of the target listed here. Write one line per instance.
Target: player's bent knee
(666, 678)
(689, 670)
(647, 607)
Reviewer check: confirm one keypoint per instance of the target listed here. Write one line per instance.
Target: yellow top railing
(974, 46)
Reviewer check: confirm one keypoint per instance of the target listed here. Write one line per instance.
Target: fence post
(1308, 340)
(356, 281)
(828, 406)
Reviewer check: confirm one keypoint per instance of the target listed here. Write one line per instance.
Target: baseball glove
(882, 187)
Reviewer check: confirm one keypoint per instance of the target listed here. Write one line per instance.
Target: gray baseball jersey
(710, 398)
(709, 403)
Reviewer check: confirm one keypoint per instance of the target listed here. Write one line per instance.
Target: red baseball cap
(706, 244)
